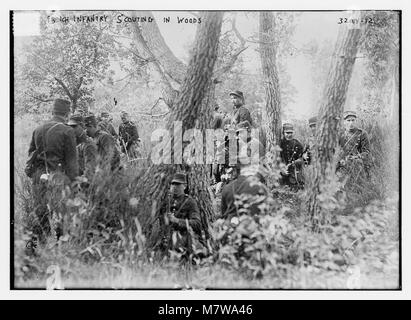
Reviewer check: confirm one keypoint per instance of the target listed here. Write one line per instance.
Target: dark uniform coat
(107, 149)
(55, 142)
(243, 185)
(128, 134)
(108, 127)
(241, 117)
(355, 143)
(291, 154)
(87, 153)
(185, 209)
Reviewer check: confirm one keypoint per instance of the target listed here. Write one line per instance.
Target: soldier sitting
(181, 221)
(250, 185)
(354, 144)
(291, 155)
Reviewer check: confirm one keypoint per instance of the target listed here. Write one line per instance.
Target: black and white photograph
(205, 150)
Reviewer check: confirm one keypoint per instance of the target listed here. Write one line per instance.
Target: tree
(330, 114)
(152, 46)
(268, 55)
(191, 111)
(66, 60)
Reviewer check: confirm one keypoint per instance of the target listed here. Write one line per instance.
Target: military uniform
(128, 136)
(106, 126)
(185, 209)
(107, 149)
(354, 145)
(291, 154)
(243, 185)
(87, 153)
(52, 151)
(55, 144)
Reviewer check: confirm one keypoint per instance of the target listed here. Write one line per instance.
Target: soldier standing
(86, 148)
(52, 153)
(105, 124)
(309, 147)
(241, 117)
(354, 144)
(106, 145)
(128, 135)
(291, 155)
(180, 219)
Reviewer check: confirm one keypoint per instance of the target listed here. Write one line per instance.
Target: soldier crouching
(181, 222)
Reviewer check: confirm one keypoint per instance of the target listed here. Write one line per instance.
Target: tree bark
(191, 111)
(330, 116)
(268, 53)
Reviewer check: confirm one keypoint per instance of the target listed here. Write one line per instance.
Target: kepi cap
(349, 114)
(237, 93)
(312, 120)
(76, 120)
(61, 106)
(179, 178)
(287, 127)
(90, 120)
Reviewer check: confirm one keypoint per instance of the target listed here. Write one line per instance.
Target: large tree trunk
(330, 115)
(193, 113)
(152, 46)
(173, 67)
(268, 54)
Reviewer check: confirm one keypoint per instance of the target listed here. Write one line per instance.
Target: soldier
(250, 183)
(241, 117)
(52, 157)
(106, 145)
(354, 144)
(180, 219)
(128, 135)
(86, 148)
(104, 123)
(291, 155)
(309, 147)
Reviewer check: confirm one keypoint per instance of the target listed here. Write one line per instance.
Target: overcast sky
(310, 25)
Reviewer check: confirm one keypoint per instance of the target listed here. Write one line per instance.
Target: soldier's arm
(90, 160)
(364, 145)
(134, 133)
(107, 146)
(70, 154)
(112, 131)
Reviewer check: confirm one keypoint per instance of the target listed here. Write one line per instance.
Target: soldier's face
(124, 118)
(236, 101)
(349, 123)
(177, 188)
(288, 135)
(313, 127)
(80, 134)
(91, 131)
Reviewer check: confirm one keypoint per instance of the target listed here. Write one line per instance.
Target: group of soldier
(66, 147)
(78, 144)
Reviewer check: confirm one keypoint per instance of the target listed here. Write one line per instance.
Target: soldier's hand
(342, 162)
